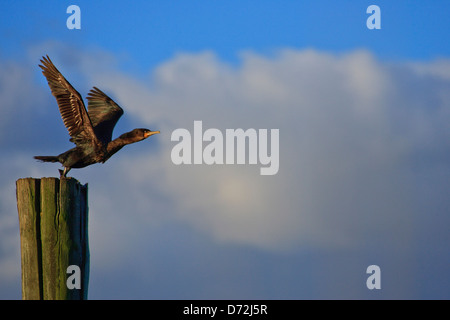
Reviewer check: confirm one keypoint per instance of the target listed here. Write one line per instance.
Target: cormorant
(91, 130)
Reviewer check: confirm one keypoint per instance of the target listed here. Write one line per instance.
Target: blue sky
(152, 31)
(364, 145)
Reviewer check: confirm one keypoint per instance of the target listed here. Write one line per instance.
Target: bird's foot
(63, 174)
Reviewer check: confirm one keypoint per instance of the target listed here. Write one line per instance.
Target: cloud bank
(349, 132)
(358, 138)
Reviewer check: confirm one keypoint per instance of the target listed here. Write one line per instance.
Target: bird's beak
(150, 133)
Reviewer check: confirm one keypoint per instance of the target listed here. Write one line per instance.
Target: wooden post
(53, 218)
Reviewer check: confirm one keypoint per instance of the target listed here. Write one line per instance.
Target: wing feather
(104, 114)
(71, 105)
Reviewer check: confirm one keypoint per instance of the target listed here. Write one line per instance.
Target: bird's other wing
(71, 106)
(104, 114)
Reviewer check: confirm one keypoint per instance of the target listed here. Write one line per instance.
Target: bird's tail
(47, 158)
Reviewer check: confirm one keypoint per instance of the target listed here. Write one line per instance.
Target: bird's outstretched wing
(71, 106)
(104, 114)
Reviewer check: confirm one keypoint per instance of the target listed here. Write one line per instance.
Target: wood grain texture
(28, 206)
(53, 217)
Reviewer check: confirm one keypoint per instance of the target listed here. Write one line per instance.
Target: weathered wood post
(53, 218)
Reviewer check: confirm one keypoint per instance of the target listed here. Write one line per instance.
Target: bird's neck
(118, 144)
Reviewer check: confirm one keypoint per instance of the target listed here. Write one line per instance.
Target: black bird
(90, 130)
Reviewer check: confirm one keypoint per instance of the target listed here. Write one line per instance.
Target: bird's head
(138, 135)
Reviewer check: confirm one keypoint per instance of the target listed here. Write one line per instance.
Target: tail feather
(47, 158)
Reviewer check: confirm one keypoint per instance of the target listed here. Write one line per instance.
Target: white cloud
(342, 157)
(357, 137)
(17, 96)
